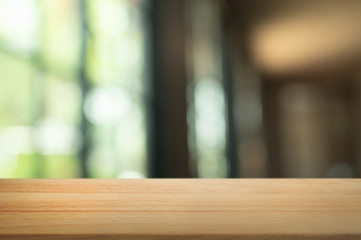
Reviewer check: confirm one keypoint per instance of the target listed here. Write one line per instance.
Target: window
(72, 86)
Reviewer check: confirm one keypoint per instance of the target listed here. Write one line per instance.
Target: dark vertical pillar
(84, 86)
(167, 105)
(38, 99)
(272, 126)
(352, 99)
(231, 147)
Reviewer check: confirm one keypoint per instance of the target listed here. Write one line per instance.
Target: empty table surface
(180, 209)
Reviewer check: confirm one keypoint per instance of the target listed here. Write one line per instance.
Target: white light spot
(107, 105)
(57, 138)
(112, 17)
(130, 174)
(19, 23)
(15, 140)
(210, 120)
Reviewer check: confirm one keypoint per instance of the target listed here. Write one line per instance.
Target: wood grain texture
(180, 209)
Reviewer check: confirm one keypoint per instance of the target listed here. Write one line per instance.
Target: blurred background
(180, 88)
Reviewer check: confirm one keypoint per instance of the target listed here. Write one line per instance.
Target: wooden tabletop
(180, 209)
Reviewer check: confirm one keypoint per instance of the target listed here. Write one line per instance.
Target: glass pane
(115, 106)
(16, 106)
(61, 35)
(41, 98)
(207, 100)
(20, 25)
